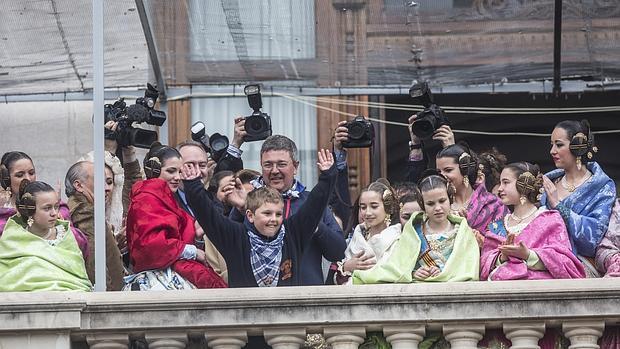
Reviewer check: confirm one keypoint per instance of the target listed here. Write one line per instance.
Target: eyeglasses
(278, 165)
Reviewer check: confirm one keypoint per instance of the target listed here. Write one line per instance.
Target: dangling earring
(579, 163)
(30, 222)
(466, 181)
(522, 200)
(388, 220)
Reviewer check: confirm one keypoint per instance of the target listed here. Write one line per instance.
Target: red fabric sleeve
(153, 234)
(200, 275)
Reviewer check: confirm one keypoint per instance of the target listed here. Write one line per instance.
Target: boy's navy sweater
(328, 242)
(231, 238)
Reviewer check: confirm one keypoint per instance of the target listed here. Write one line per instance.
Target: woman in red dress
(160, 234)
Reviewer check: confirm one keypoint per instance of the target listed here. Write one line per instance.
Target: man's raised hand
(326, 160)
(189, 172)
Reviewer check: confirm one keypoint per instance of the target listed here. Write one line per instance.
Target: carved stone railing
(343, 314)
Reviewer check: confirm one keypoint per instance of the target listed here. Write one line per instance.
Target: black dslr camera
(429, 119)
(215, 145)
(257, 125)
(142, 111)
(361, 133)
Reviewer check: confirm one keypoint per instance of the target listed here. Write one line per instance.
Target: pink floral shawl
(484, 208)
(547, 236)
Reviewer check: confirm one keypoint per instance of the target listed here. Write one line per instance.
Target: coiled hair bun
(529, 180)
(154, 159)
(25, 201)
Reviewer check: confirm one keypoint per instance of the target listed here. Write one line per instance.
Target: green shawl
(29, 263)
(463, 264)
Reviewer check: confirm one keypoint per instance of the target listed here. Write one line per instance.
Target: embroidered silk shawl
(379, 246)
(484, 208)
(463, 264)
(29, 263)
(65, 214)
(586, 211)
(547, 236)
(608, 251)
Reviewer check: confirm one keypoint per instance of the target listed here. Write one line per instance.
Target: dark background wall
(516, 148)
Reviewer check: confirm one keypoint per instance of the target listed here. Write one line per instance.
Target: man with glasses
(279, 164)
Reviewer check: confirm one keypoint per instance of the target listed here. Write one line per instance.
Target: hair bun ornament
(26, 205)
(579, 144)
(152, 167)
(387, 194)
(525, 182)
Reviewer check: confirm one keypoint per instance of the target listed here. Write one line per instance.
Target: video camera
(429, 119)
(215, 145)
(257, 125)
(142, 111)
(361, 133)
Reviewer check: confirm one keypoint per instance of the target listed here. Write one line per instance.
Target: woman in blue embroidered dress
(579, 189)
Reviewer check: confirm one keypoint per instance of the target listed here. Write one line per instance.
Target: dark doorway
(516, 148)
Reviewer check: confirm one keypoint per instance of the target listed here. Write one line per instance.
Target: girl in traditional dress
(434, 246)
(16, 166)
(472, 201)
(160, 234)
(580, 190)
(38, 252)
(372, 240)
(531, 242)
(608, 251)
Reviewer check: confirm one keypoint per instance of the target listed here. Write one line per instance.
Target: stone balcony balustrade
(225, 318)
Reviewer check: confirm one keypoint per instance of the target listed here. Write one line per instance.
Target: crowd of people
(183, 221)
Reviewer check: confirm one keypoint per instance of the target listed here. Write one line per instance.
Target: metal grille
(45, 45)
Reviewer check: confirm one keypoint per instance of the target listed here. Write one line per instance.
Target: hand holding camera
(426, 123)
(341, 134)
(239, 133)
(445, 135)
(360, 133)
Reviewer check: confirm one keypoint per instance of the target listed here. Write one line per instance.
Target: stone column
(230, 339)
(166, 339)
(285, 338)
(344, 337)
(583, 334)
(404, 336)
(524, 335)
(108, 341)
(463, 336)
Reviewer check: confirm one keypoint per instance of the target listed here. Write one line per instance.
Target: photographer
(417, 162)
(132, 172)
(340, 201)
